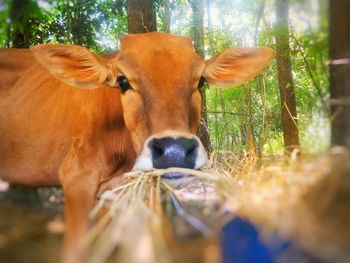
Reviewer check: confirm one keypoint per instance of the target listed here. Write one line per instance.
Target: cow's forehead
(151, 45)
(155, 55)
(154, 40)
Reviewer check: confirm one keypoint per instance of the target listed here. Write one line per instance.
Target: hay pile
(285, 195)
(133, 217)
(294, 197)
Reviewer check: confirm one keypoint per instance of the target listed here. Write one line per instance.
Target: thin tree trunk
(266, 115)
(198, 37)
(211, 48)
(250, 125)
(166, 16)
(198, 25)
(308, 68)
(141, 16)
(339, 71)
(285, 78)
(259, 16)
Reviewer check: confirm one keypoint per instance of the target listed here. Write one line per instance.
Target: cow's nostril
(170, 152)
(190, 151)
(157, 150)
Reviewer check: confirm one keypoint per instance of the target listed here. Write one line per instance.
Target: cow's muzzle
(172, 150)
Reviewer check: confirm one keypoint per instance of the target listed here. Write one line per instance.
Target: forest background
(252, 117)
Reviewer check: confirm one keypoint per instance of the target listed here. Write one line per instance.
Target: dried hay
(134, 217)
(283, 195)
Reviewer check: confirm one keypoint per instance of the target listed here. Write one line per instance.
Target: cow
(72, 118)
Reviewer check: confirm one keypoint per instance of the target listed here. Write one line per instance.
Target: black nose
(169, 152)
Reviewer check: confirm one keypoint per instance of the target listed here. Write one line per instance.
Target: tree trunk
(198, 38)
(141, 16)
(19, 38)
(198, 25)
(165, 16)
(250, 125)
(285, 78)
(339, 39)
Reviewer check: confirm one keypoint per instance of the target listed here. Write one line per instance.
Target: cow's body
(41, 117)
(72, 118)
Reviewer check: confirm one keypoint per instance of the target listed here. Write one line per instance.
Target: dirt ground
(31, 225)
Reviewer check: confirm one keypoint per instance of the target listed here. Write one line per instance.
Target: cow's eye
(201, 83)
(123, 84)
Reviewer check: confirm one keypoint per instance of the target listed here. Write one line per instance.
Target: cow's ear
(235, 66)
(74, 65)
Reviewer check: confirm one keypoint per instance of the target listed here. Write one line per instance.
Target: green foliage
(89, 23)
(94, 24)
(258, 112)
(18, 18)
(4, 20)
(25, 15)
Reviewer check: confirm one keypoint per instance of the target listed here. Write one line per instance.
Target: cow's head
(160, 77)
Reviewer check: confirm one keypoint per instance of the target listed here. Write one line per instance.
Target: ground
(31, 225)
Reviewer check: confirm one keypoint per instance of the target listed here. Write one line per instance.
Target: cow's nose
(169, 152)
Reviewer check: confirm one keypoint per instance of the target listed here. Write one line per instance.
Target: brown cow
(72, 118)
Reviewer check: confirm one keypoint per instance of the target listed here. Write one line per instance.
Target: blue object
(240, 243)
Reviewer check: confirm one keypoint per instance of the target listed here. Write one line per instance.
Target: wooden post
(339, 43)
